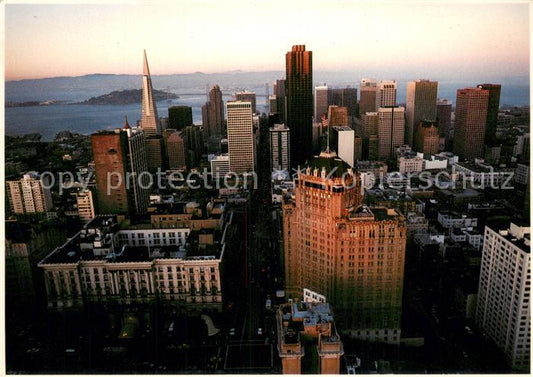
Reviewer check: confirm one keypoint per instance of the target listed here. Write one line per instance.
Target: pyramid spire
(126, 124)
(146, 70)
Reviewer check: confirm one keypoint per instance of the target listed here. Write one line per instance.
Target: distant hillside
(124, 97)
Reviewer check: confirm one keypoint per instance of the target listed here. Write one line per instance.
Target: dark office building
(492, 112)
(346, 97)
(299, 89)
(179, 117)
(279, 91)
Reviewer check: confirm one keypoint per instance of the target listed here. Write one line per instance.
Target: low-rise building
(450, 219)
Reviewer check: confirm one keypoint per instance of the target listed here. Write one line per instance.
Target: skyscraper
(386, 93)
(299, 88)
(176, 151)
(240, 136)
(351, 254)
(281, 98)
(492, 112)
(342, 140)
(121, 165)
(149, 120)
(280, 137)
(421, 104)
(504, 302)
(346, 97)
(391, 129)
(247, 96)
(179, 117)
(213, 113)
(444, 120)
(321, 102)
(367, 101)
(470, 118)
(427, 137)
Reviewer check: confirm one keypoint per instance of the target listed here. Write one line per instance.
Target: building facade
(503, 304)
(492, 112)
(421, 104)
(391, 129)
(240, 137)
(351, 254)
(299, 90)
(321, 102)
(386, 93)
(30, 194)
(470, 119)
(213, 113)
(179, 117)
(280, 146)
(427, 137)
(367, 100)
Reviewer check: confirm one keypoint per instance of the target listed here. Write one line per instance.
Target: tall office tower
(30, 194)
(272, 104)
(246, 96)
(351, 254)
(367, 101)
(470, 118)
(280, 147)
(149, 120)
(371, 123)
(427, 137)
(370, 135)
(444, 120)
(120, 161)
(321, 102)
(240, 136)
(85, 204)
(492, 112)
(421, 104)
(342, 141)
(391, 129)
(155, 152)
(338, 116)
(138, 165)
(386, 93)
(179, 117)
(175, 148)
(504, 302)
(299, 88)
(281, 98)
(213, 113)
(346, 97)
(194, 145)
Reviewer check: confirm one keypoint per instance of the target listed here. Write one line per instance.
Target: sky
(431, 39)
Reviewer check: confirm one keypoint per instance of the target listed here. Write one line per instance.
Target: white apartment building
(503, 304)
(449, 219)
(85, 204)
(30, 194)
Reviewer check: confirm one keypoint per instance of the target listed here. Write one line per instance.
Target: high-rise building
(155, 152)
(149, 120)
(367, 101)
(342, 141)
(213, 113)
(179, 117)
(240, 136)
(386, 93)
(492, 112)
(281, 98)
(321, 102)
(351, 254)
(358, 148)
(470, 119)
(421, 104)
(346, 97)
(280, 146)
(85, 204)
(391, 129)
(120, 160)
(194, 145)
(504, 302)
(444, 120)
(246, 96)
(30, 194)
(175, 148)
(220, 166)
(338, 116)
(427, 137)
(272, 104)
(299, 88)
(370, 131)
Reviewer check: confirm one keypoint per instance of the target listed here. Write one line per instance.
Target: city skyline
(460, 44)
